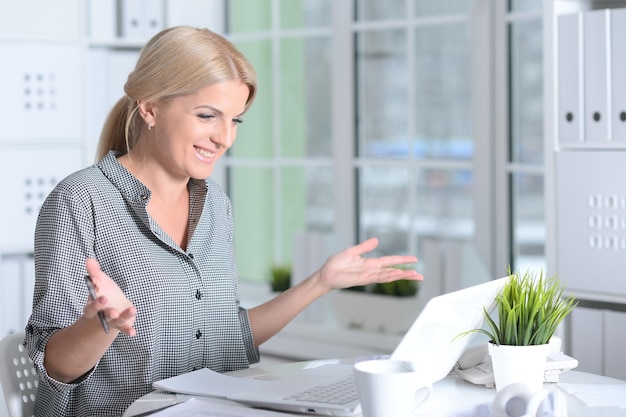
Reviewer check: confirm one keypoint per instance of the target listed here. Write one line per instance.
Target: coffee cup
(389, 387)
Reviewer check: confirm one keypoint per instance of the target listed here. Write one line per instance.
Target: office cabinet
(64, 66)
(41, 19)
(27, 175)
(591, 221)
(40, 92)
(586, 201)
(597, 341)
(585, 163)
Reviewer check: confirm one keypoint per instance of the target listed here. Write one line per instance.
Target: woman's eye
(237, 121)
(206, 116)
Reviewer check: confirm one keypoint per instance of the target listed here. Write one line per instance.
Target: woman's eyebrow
(206, 106)
(215, 110)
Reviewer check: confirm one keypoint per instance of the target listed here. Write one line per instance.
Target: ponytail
(120, 130)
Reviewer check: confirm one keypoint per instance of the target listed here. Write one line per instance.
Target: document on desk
(198, 408)
(208, 383)
(598, 395)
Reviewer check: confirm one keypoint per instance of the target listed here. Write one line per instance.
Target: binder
(153, 19)
(570, 121)
(199, 13)
(102, 19)
(595, 75)
(132, 19)
(618, 75)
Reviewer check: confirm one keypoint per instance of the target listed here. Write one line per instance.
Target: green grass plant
(529, 310)
(280, 277)
(398, 288)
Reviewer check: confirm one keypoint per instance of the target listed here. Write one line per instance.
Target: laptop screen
(431, 343)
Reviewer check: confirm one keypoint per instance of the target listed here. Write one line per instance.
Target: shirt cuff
(252, 351)
(36, 352)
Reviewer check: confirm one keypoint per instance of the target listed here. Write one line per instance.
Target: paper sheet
(598, 395)
(198, 408)
(208, 383)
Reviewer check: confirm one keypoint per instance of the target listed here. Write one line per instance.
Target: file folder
(132, 20)
(618, 75)
(200, 13)
(570, 121)
(153, 17)
(595, 76)
(102, 19)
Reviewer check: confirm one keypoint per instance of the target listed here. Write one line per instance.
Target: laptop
(431, 344)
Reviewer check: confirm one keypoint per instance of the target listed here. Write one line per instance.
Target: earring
(149, 126)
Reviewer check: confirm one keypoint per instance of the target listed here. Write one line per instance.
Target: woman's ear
(147, 111)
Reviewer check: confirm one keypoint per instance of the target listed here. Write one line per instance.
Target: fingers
(393, 274)
(366, 245)
(118, 310)
(93, 306)
(387, 261)
(384, 261)
(94, 271)
(93, 267)
(123, 321)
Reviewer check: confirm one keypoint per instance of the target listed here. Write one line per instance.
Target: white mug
(389, 387)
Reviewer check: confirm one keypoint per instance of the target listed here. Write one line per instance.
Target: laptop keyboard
(342, 391)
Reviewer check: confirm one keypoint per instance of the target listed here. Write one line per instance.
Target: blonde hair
(175, 62)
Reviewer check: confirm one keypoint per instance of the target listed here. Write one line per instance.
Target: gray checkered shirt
(188, 313)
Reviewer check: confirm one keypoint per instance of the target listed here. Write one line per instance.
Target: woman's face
(190, 133)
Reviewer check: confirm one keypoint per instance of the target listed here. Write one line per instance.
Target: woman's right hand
(119, 312)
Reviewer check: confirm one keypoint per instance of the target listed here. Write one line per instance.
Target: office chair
(17, 376)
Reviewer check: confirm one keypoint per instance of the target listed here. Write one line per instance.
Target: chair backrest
(17, 376)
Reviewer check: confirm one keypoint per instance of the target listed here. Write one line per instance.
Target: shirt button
(198, 294)
(198, 334)
(190, 255)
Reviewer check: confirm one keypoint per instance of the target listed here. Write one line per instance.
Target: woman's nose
(225, 136)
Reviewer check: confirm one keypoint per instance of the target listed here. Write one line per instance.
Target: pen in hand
(92, 294)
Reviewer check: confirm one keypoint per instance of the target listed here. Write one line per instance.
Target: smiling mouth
(205, 153)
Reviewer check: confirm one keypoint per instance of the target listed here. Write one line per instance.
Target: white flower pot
(519, 364)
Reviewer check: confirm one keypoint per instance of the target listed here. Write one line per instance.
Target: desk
(449, 395)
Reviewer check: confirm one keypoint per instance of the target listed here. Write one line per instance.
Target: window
(525, 159)
(279, 170)
(370, 121)
(414, 123)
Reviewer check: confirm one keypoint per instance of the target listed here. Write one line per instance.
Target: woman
(155, 235)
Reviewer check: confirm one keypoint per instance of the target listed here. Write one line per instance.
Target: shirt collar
(133, 189)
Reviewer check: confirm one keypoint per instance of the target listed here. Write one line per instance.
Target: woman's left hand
(348, 268)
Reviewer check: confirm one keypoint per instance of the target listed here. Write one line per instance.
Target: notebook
(431, 344)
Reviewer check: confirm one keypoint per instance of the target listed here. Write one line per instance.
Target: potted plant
(389, 307)
(529, 309)
(280, 277)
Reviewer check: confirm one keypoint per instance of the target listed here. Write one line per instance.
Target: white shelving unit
(64, 64)
(585, 131)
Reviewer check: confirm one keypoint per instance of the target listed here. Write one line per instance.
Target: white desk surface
(450, 395)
